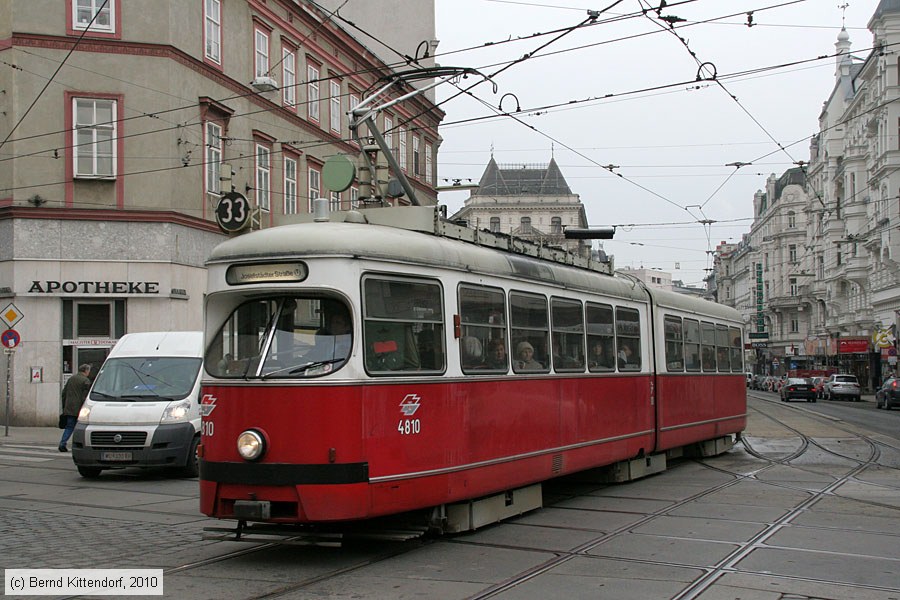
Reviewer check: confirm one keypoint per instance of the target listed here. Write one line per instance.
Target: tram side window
(737, 350)
(708, 346)
(403, 327)
(482, 314)
(529, 330)
(674, 343)
(568, 334)
(601, 337)
(723, 348)
(691, 345)
(628, 339)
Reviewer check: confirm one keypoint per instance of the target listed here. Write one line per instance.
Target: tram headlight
(251, 445)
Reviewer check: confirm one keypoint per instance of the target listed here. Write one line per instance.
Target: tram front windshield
(282, 338)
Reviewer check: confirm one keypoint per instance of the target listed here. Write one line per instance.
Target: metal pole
(8, 396)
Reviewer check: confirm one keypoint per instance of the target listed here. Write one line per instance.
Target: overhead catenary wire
(155, 114)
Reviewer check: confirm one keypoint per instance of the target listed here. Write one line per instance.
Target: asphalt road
(864, 413)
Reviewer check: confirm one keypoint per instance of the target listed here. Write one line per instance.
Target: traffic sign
(10, 338)
(11, 315)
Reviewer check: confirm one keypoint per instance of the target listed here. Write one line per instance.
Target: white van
(143, 409)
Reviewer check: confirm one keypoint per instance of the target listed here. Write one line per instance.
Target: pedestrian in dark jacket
(73, 395)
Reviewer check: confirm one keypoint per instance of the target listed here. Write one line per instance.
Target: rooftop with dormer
(522, 180)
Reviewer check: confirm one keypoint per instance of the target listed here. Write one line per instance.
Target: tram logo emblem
(410, 404)
(207, 405)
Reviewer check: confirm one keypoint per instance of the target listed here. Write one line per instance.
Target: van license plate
(115, 456)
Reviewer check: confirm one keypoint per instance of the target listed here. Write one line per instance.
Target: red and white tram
(355, 370)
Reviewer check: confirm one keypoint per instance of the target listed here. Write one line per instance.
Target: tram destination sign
(265, 273)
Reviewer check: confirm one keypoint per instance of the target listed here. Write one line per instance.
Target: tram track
(727, 564)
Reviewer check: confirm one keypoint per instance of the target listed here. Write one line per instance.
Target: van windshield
(145, 379)
(282, 338)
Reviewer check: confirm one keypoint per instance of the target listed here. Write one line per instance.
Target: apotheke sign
(95, 287)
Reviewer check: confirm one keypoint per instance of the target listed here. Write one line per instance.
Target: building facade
(112, 168)
(818, 276)
(532, 202)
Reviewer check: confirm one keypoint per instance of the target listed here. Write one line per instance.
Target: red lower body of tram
(341, 453)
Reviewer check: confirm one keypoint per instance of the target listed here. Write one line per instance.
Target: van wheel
(192, 468)
(89, 472)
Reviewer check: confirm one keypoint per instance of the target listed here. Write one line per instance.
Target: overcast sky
(636, 105)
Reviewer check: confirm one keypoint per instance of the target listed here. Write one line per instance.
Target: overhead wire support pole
(368, 110)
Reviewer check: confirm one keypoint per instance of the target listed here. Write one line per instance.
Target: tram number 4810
(409, 426)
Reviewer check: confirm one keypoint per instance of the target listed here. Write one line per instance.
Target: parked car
(888, 395)
(798, 388)
(842, 386)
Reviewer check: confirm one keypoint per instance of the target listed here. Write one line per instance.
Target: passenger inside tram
(496, 355)
(525, 358)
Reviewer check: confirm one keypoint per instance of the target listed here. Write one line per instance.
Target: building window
(402, 157)
(95, 132)
(335, 201)
(792, 253)
(793, 286)
(429, 164)
(83, 12)
(766, 261)
(289, 77)
(314, 186)
(555, 225)
(416, 164)
(290, 185)
(820, 268)
(261, 39)
(354, 197)
(792, 220)
(795, 325)
(495, 224)
(213, 158)
(525, 224)
(312, 92)
(389, 133)
(336, 107)
(263, 174)
(840, 260)
(212, 15)
(353, 103)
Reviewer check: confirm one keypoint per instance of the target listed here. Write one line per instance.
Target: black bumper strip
(283, 474)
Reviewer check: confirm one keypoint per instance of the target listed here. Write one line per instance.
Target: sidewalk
(30, 436)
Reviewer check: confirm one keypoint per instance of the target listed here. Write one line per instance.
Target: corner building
(113, 166)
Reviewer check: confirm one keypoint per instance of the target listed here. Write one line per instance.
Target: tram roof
(418, 236)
